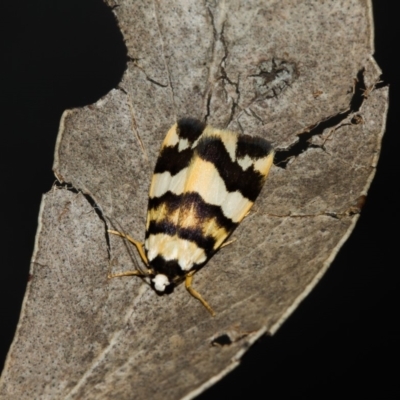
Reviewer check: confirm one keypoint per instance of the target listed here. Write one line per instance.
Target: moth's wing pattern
(170, 174)
(224, 178)
(204, 183)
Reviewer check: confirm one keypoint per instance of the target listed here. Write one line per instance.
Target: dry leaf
(300, 74)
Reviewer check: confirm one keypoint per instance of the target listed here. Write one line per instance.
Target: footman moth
(204, 183)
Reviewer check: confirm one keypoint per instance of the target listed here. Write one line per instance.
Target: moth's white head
(160, 282)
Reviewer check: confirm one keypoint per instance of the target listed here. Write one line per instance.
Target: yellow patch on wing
(188, 218)
(172, 138)
(162, 214)
(204, 179)
(263, 165)
(210, 227)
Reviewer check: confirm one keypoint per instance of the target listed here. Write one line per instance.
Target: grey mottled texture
(294, 66)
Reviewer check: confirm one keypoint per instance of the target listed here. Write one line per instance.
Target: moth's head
(160, 282)
(167, 274)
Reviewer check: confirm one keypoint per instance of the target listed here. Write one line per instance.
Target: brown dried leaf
(283, 70)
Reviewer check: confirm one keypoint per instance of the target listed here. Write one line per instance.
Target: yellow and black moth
(205, 181)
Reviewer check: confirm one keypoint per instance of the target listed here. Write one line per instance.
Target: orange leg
(140, 249)
(127, 273)
(195, 294)
(228, 243)
(137, 244)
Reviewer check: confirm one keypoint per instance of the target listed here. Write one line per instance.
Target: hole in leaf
(222, 340)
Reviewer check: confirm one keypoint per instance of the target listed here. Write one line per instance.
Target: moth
(205, 181)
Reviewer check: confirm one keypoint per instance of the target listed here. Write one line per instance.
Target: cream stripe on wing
(245, 162)
(183, 144)
(186, 252)
(204, 179)
(164, 182)
(263, 165)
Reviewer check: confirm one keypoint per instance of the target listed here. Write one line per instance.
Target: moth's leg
(127, 273)
(138, 245)
(195, 294)
(228, 243)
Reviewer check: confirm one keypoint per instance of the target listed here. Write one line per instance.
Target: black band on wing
(253, 146)
(190, 128)
(161, 227)
(192, 234)
(172, 160)
(169, 268)
(248, 182)
(194, 202)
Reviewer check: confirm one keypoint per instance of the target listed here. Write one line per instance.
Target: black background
(341, 341)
